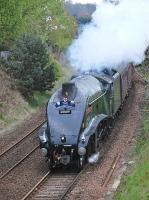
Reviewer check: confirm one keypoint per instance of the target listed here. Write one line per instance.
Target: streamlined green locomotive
(81, 113)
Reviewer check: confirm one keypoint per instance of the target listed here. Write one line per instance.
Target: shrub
(31, 66)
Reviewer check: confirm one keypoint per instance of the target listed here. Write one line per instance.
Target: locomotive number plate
(64, 111)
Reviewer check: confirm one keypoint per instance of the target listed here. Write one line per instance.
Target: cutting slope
(13, 108)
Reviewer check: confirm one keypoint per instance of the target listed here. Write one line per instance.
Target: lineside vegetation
(34, 33)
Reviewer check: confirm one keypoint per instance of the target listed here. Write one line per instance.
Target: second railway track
(13, 156)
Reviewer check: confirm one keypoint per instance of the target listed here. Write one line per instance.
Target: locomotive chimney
(68, 90)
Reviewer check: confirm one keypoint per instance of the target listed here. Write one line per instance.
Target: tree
(31, 66)
(46, 18)
(10, 22)
(61, 27)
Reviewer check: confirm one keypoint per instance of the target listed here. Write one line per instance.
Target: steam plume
(117, 33)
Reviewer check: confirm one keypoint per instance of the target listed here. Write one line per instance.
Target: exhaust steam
(118, 33)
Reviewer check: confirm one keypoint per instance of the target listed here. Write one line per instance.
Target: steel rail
(20, 161)
(36, 186)
(114, 164)
(109, 175)
(111, 171)
(4, 152)
(73, 182)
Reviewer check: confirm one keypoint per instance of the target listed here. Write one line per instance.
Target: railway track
(111, 171)
(53, 186)
(18, 152)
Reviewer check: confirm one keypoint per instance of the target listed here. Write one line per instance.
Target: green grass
(1, 117)
(144, 71)
(143, 139)
(38, 99)
(135, 186)
(16, 114)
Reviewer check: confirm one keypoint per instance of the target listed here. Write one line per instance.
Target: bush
(31, 66)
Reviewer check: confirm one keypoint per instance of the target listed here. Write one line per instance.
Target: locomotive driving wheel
(103, 129)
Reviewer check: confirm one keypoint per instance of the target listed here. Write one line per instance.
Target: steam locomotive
(81, 113)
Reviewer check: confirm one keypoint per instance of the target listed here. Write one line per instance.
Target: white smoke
(117, 33)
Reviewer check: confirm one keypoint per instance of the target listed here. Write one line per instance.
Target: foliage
(46, 18)
(61, 27)
(15, 17)
(22, 23)
(143, 139)
(38, 99)
(9, 23)
(31, 66)
(136, 185)
(82, 12)
(143, 68)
